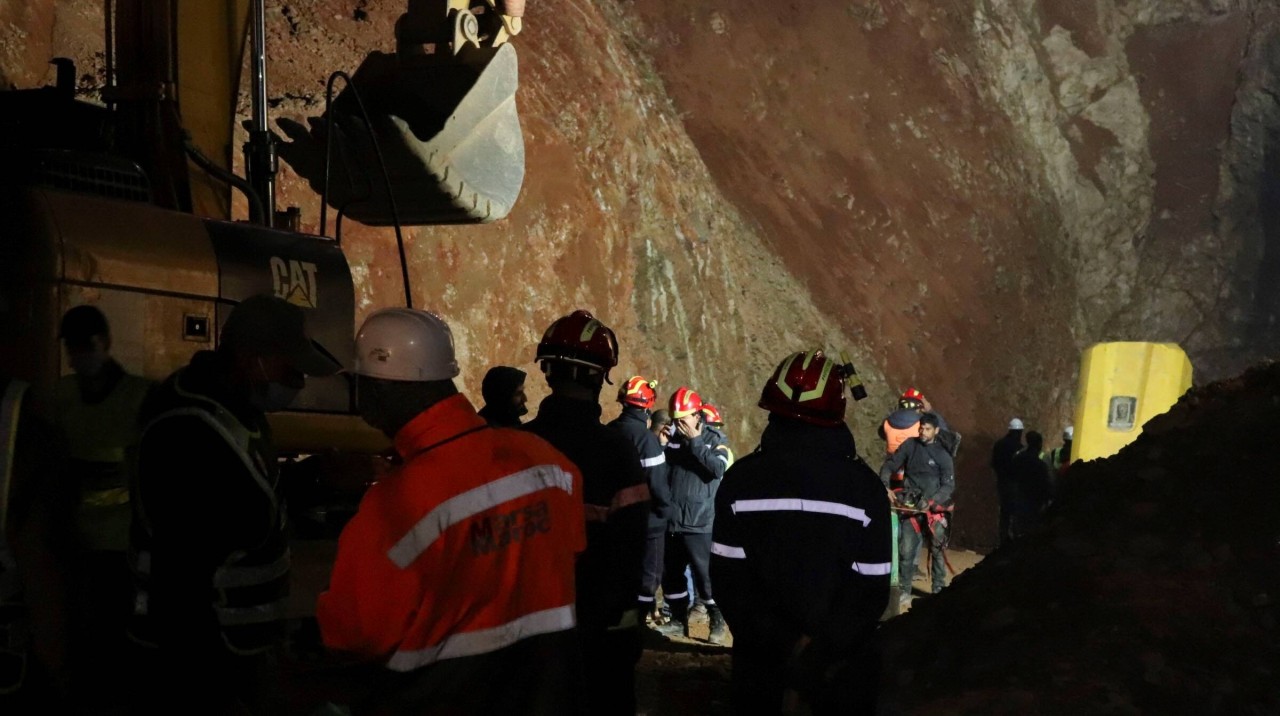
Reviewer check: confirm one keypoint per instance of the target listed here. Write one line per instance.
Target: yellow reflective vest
(97, 436)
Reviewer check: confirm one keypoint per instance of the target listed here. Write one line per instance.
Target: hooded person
(504, 398)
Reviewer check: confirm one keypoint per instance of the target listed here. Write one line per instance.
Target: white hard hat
(1069, 433)
(1016, 424)
(404, 344)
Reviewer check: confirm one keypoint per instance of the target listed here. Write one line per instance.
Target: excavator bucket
(443, 128)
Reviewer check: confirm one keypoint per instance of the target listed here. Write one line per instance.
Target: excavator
(128, 206)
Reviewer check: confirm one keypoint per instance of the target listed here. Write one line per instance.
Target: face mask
(270, 396)
(88, 364)
(273, 397)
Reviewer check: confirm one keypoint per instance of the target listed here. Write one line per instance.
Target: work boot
(719, 632)
(678, 625)
(698, 613)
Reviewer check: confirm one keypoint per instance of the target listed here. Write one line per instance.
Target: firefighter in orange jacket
(457, 572)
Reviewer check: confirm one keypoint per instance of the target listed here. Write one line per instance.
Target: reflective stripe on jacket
(466, 549)
(250, 586)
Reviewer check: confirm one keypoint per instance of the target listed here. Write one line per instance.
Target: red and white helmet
(807, 386)
(581, 339)
(911, 398)
(684, 402)
(711, 415)
(638, 392)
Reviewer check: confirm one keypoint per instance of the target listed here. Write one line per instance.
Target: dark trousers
(914, 531)
(224, 684)
(540, 676)
(100, 651)
(651, 570)
(760, 678)
(1005, 493)
(692, 550)
(609, 665)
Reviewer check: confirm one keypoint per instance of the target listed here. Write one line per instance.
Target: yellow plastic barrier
(1122, 386)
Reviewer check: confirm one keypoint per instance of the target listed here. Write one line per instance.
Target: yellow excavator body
(1122, 386)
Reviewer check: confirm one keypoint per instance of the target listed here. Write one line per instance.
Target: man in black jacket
(925, 501)
(637, 396)
(696, 461)
(208, 543)
(802, 553)
(576, 354)
(1001, 461)
(1032, 486)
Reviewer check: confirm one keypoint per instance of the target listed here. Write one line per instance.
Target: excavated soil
(1152, 587)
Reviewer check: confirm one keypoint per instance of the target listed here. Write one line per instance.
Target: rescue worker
(1032, 485)
(208, 544)
(1060, 457)
(504, 399)
(900, 426)
(96, 412)
(802, 553)
(456, 575)
(638, 396)
(1001, 459)
(576, 353)
(713, 421)
(660, 426)
(925, 503)
(697, 462)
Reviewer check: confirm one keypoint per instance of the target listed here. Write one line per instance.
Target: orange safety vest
(466, 549)
(894, 437)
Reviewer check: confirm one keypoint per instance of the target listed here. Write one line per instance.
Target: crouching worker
(456, 576)
(802, 553)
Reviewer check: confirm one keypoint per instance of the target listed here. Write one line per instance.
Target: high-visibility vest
(894, 437)
(250, 588)
(465, 550)
(13, 622)
(97, 436)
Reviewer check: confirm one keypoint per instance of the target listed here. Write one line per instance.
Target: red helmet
(580, 339)
(913, 394)
(684, 402)
(711, 415)
(638, 392)
(807, 386)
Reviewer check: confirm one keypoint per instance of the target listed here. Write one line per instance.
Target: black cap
(82, 323)
(266, 326)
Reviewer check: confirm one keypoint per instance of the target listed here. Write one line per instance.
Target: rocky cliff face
(962, 195)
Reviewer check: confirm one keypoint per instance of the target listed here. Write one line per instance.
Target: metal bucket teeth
(448, 130)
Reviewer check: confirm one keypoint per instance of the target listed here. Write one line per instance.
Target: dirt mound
(1152, 586)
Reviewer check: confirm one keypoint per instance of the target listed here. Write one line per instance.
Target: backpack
(950, 441)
